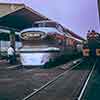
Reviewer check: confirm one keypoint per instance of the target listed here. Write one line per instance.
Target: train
(91, 47)
(45, 44)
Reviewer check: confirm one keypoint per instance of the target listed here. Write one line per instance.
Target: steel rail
(86, 82)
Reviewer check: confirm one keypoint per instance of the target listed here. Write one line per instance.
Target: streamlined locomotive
(44, 45)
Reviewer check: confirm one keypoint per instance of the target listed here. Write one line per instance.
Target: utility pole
(98, 1)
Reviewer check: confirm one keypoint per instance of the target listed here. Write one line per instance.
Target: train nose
(30, 57)
(33, 59)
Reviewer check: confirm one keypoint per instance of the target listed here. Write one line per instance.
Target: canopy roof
(21, 18)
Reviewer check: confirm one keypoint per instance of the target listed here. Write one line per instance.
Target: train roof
(42, 21)
(48, 29)
(66, 30)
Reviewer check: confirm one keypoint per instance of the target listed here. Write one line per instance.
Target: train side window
(42, 24)
(66, 41)
(39, 25)
(59, 28)
(60, 42)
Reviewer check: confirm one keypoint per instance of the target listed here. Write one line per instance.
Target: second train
(91, 47)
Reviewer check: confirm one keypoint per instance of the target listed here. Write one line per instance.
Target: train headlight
(97, 52)
(86, 52)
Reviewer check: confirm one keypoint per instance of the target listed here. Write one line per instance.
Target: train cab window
(40, 25)
(59, 28)
(35, 25)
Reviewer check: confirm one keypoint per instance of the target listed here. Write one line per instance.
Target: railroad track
(33, 96)
(69, 85)
(22, 81)
(66, 86)
(86, 82)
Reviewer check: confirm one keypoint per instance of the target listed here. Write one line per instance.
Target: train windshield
(49, 24)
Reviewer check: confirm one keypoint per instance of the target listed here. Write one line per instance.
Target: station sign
(36, 35)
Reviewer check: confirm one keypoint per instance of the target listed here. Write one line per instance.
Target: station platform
(5, 64)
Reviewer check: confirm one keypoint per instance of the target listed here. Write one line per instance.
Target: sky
(76, 15)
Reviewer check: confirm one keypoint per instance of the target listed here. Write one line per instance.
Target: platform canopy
(20, 18)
